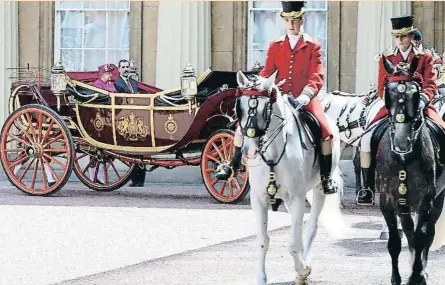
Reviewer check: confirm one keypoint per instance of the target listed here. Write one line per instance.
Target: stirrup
(361, 194)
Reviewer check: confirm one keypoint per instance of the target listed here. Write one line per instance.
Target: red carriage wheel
(37, 150)
(219, 150)
(100, 170)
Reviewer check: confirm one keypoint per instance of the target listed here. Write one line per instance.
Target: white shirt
(293, 39)
(405, 54)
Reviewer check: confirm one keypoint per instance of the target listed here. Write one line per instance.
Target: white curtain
(105, 34)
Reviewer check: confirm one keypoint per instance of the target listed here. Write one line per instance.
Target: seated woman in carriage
(105, 76)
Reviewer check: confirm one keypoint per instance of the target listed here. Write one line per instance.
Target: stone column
(184, 35)
(374, 36)
(8, 52)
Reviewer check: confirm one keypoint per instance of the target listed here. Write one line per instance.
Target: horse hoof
(302, 278)
(384, 236)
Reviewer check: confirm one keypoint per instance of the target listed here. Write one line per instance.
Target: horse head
(254, 104)
(402, 100)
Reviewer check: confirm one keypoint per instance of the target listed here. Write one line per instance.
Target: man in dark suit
(126, 84)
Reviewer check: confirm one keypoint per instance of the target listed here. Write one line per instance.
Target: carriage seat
(83, 95)
(211, 83)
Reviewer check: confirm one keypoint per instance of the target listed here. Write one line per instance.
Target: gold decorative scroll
(132, 128)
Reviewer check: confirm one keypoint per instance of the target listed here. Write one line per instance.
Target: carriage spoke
(230, 188)
(19, 139)
(242, 176)
(15, 150)
(96, 172)
(223, 186)
(56, 150)
(54, 160)
(115, 170)
(25, 134)
(45, 184)
(30, 126)
(48, 163)
(224, 147)
(48, 131)
(26, 170)
(34, 174)
(53, 140)
(235, 181)
(218, 151)
(19, 161)
(211, 157)
(106, 173)
(214, 181)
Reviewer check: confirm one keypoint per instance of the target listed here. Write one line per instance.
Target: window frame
(278, 29)
(58, 29)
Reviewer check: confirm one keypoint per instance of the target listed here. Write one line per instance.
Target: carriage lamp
(134, 70)
(58, 83)
(189, 85)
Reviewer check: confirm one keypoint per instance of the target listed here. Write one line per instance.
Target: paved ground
(173, 234)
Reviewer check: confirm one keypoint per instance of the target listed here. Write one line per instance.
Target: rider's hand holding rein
(303, 99)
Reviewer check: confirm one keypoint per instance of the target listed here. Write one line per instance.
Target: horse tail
(331, 217)
(439, 237)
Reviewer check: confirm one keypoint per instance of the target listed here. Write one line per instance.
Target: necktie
(129, 86)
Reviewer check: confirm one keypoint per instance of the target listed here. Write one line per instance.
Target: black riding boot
(327, 183)
(365, 196)
(224, 171)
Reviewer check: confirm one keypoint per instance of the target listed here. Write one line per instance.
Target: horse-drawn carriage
(59, 122)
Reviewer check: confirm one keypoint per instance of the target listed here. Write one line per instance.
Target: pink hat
(106, 68)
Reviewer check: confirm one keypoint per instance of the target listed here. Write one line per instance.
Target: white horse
(275, 137)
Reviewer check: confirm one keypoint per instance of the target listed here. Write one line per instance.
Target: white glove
(303, 99)
(421, 104)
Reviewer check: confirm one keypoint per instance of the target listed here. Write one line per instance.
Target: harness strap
(403, 190)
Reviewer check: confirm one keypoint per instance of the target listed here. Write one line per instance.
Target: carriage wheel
(37, 150)
(99, 170)
(219, 150)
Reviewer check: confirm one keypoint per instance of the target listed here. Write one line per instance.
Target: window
(88, 34)
(265, 25)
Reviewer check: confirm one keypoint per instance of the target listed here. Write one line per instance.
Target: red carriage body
(153, 127)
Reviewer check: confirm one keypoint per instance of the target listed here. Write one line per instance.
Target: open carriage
(60, 122)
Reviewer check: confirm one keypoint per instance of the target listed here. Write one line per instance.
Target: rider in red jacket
(404, 53)
(298, 59)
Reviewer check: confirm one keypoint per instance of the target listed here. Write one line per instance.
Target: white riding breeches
(365, 143)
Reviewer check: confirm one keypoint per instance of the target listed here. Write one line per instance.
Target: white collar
(293, 39)
(405, 54)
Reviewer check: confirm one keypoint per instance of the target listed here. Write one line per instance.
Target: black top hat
(402, 25)
(293, 9)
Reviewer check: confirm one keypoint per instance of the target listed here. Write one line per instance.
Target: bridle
(417, 121)
(249, 128)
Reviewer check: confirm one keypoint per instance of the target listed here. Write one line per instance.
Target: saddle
(311, 127)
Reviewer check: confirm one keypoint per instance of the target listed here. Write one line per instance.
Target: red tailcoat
(303, 70)
(424, 69)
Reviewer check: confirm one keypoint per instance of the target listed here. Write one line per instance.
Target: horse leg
(260, 208)
(408, 227)
(311, 226)
(429, 213)
(296, 209)
(384, 234)
(394, 241)
(357, 170)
